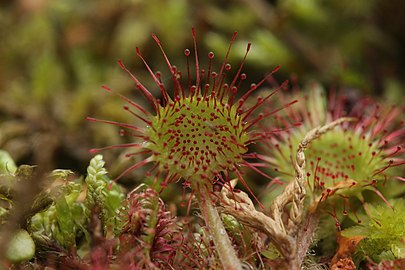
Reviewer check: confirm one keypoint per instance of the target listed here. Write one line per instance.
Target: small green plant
(383, 232)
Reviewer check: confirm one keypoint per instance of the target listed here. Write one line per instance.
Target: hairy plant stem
(223, 245)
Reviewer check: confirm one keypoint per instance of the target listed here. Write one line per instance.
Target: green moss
(103, 193)
(383, 231)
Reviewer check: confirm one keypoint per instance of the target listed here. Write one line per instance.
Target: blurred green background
(56, 54)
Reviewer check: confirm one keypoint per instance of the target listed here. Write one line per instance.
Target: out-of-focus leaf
(21, 247)
(7, 165)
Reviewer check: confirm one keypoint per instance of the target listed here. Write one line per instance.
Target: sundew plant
(200, 134)
(358, 156)
(216, 134)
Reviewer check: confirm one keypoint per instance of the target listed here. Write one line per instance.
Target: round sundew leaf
(198, 136)
(21, 247)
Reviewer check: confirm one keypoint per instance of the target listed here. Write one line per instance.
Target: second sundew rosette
(362, 154)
